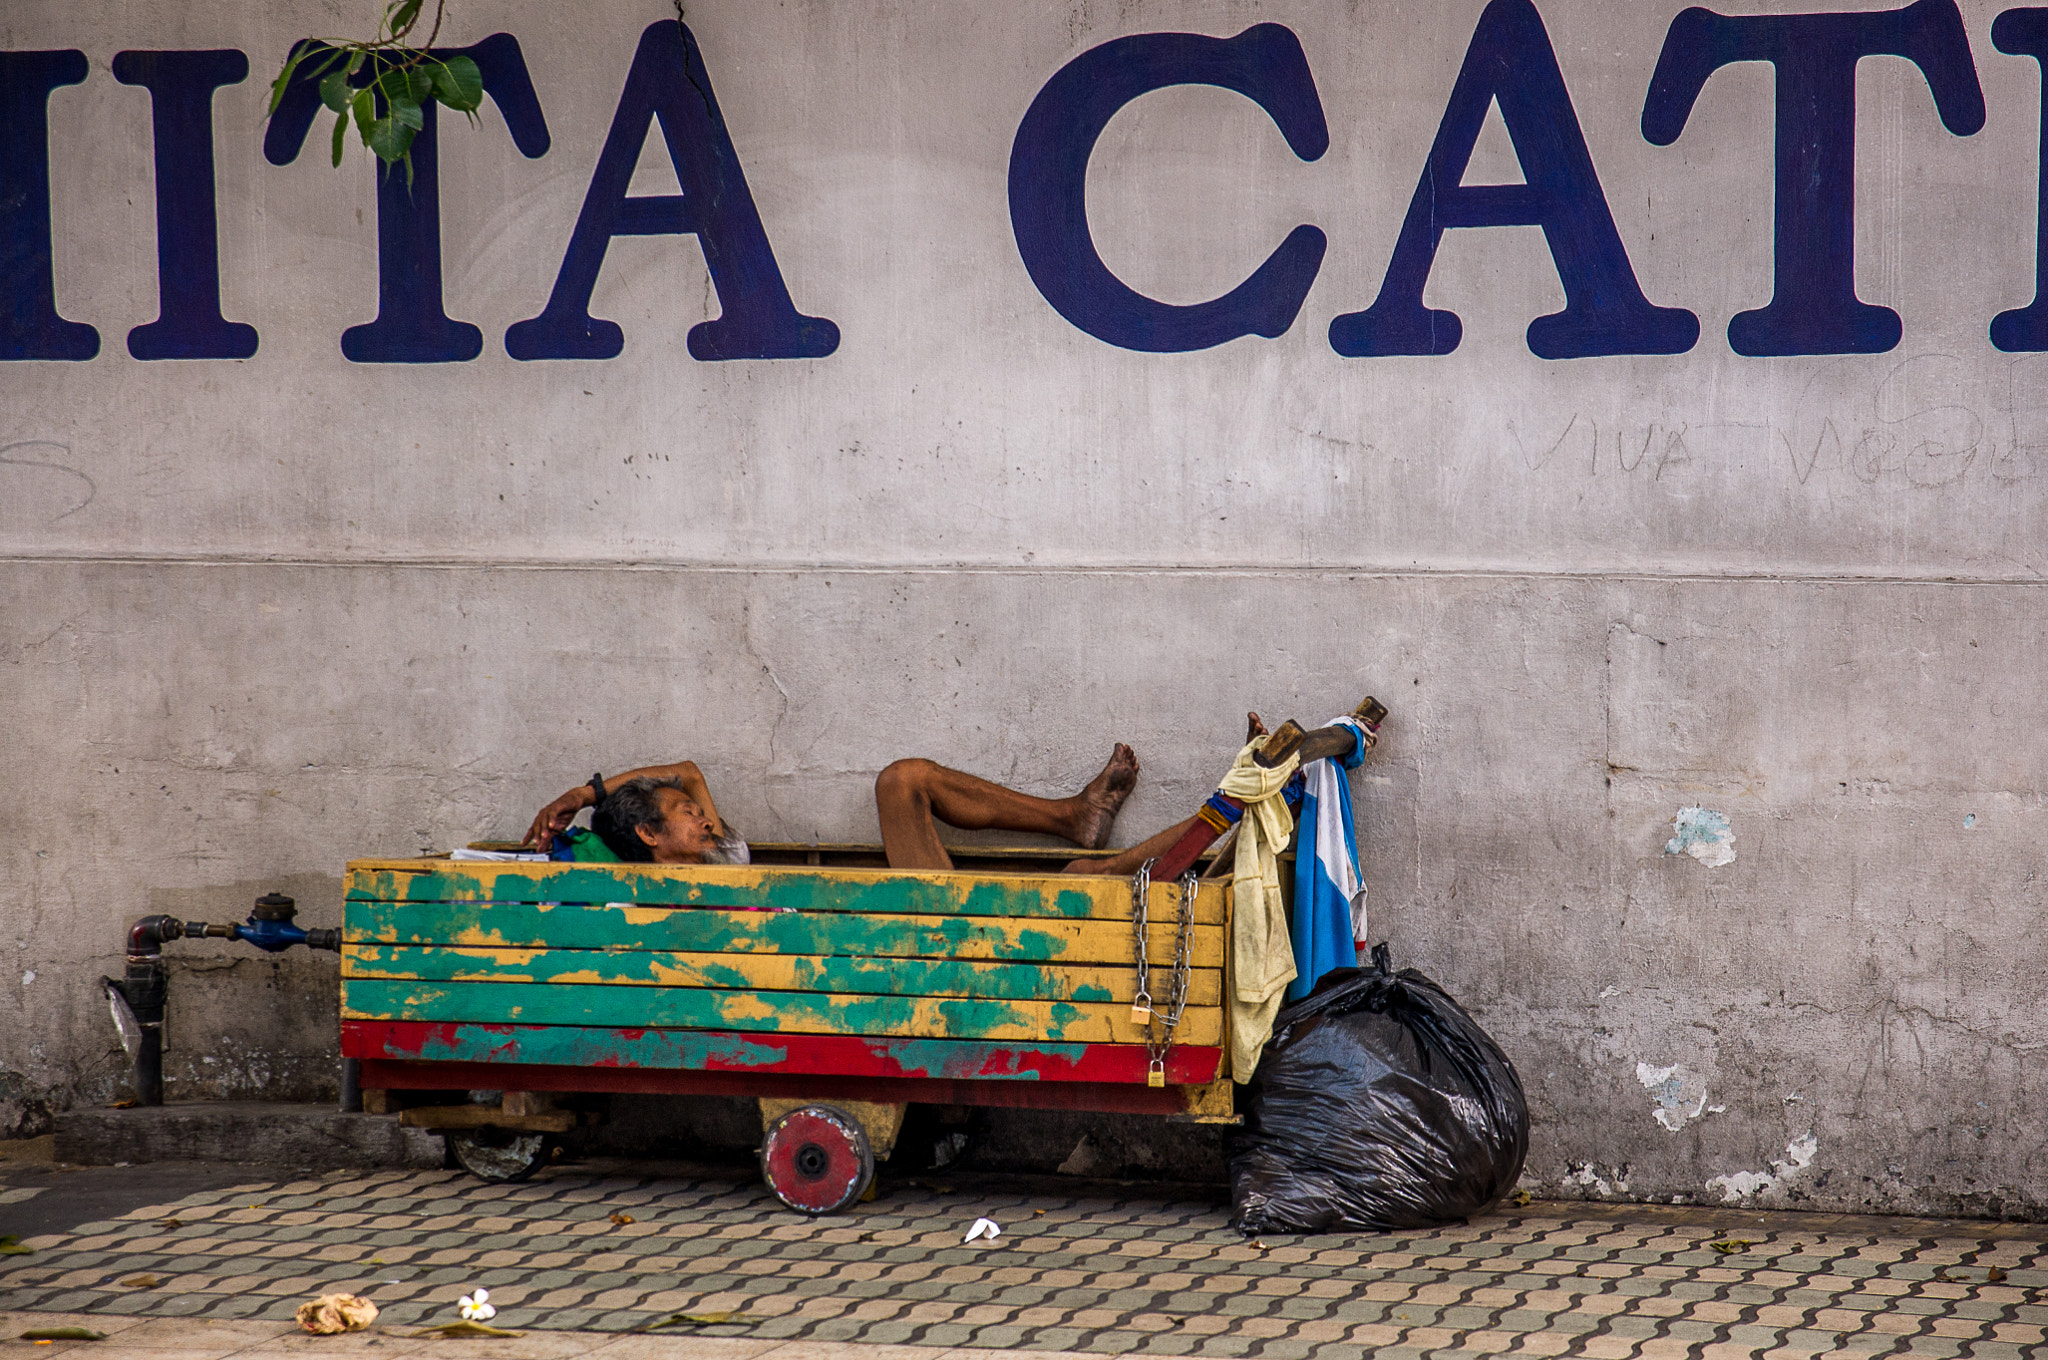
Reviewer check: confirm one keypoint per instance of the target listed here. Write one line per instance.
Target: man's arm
(554, 819)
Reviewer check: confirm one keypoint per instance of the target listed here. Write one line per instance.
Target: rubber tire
(817, 1159)
(500, 1156)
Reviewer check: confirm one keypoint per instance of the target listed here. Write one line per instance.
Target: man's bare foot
(1105, 794)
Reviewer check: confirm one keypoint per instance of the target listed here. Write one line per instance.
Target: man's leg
(913, 796)
(1127, 862)
(1152, 847)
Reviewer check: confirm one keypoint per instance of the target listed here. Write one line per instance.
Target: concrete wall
(264, 615)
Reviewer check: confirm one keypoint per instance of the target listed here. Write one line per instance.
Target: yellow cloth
(1261, 954)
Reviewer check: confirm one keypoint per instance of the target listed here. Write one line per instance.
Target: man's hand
(552, 820)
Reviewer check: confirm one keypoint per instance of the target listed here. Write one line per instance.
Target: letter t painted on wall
(1814, 308)
(412, 326)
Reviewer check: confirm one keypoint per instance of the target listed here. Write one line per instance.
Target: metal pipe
(351, 1086)
(140, 999)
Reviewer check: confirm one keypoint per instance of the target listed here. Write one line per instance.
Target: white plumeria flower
(477, 1307)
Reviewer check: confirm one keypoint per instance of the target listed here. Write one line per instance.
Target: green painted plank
(919, 1017)
(579, 925)
(766, 972)
(866, 891)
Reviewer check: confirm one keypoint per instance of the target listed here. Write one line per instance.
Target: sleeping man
(664, 814)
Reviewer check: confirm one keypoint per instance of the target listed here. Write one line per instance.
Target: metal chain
(1141, 893)
(1177, 989)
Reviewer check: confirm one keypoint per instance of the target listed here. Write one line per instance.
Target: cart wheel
(817, 1159)
(500, 1155)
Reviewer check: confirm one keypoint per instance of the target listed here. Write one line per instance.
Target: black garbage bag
(1377, 1104)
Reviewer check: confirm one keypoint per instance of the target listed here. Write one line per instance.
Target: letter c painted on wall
(1049, 179)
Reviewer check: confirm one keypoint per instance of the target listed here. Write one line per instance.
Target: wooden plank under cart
(834, 994)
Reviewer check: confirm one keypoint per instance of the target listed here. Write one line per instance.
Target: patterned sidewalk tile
(589, 1253)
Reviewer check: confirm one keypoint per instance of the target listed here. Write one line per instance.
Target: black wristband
(596, 789)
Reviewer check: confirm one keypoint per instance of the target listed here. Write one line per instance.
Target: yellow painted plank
(781, 888)
(771, 973)
(585, 925)
(915, 1017)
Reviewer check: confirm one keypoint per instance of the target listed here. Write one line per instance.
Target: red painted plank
(590, 1047)
(1097, 1097)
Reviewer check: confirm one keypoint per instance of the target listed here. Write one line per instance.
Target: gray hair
(627, 808)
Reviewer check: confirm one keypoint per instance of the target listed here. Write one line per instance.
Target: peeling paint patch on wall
(1680, 1095)
(1704, 834)
(1586, 1176)
(1799, 1154)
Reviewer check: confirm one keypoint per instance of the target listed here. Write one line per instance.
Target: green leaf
(355, 62)
(401, 15)
(458, 84)
(284, 77)
(390, 139)
(419, 84)
(334, 92)
(408, 113)
(366, 113)
(340, 132)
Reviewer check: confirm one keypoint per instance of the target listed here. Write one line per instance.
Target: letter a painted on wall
(1049, 178)
(29, 325)
(1510, 62)
(1814, 308)
(2024, 32)
(668, 81)
(188, 324)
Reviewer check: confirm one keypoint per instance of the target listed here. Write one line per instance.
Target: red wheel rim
(816, 1160)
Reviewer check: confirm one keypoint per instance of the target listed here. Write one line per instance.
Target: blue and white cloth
(1329, 895)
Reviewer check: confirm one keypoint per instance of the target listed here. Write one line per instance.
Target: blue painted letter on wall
(1049, 177)
(668, 81)
(29, 325)
(1510, 62)
(412, 326)
(2024, 32)
(1814, 308)
(188, 323)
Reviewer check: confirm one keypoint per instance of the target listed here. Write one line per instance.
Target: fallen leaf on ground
(1521, 1199)
(122, 1105)
(1728, 1246)
(333, 1313)
(143, 1281)
(10, 1245)
(62, 1334)
(455, 1331)
(173, 1223)
(703, 1320)
(1992, 1275)
(622, 1219)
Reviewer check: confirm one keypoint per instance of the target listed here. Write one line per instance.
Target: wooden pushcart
(834, 994)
